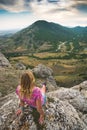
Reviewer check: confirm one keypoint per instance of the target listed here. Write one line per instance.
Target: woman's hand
(18, 112)
(41, 119)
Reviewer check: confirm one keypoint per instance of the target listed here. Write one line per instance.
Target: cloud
(53, 1)
(13, 5)
(82, 8)
(65, 12)
(47, 8)
(80, 5)
(55, 5)
(7, 2)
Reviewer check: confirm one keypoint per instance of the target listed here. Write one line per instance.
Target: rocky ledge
(66, 109)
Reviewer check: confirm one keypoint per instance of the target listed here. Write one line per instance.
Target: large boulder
(58, 115)
(76, 96)
(73, 96)
(43, 72)
(20, 66)
(82, 87)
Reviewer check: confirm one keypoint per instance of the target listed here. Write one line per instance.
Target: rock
(46, 73)
(82, 87)
(3, 61)
(74, 97)
(0, 94)
(20, 66)
(84, 118)
(59, 114)
(41, 71)
(51, 84)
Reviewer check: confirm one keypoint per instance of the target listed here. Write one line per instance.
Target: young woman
(30, 94)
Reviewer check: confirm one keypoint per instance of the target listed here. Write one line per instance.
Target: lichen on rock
(59, 115)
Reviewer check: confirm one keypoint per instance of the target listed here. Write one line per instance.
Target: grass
(67, 73)
(67, 80)
(49, 54)
(9, 79)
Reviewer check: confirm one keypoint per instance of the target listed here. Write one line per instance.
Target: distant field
(47, 54)
(67, 72)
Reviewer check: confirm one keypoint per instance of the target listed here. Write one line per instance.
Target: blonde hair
(27, 84)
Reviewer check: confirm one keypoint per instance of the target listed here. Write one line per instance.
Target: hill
(48, 36)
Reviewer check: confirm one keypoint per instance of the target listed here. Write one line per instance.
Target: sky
(18, 14)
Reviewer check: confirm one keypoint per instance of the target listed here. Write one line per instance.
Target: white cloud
(18, 6)
(63, 12)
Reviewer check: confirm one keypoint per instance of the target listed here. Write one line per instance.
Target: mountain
(45, 33)
(81, 33)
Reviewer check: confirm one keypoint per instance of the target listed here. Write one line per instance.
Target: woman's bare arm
(21, 103)
(21, 108)
(40, 110)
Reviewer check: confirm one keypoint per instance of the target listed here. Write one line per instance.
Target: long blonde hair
(27, 84)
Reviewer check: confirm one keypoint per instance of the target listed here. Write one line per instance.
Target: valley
(68, 71)
(61, 48)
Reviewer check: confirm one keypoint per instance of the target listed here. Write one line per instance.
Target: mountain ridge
(43, 32)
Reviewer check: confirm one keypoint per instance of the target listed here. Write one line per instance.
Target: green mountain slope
(81, 33)
(45, 33)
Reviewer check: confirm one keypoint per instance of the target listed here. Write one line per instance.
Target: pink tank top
(36, 94)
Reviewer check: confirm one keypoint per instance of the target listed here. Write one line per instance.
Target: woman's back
(36, 94)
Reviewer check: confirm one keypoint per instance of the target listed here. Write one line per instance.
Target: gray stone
(46, 73)
(73, 96)
(42, 71)
(59, 114)
(4, 61)
(20, 66)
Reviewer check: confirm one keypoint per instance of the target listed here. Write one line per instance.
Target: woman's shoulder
(18, 89)
(36, 89)
(37, 93)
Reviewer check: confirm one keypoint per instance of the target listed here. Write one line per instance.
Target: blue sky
(18, 14)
